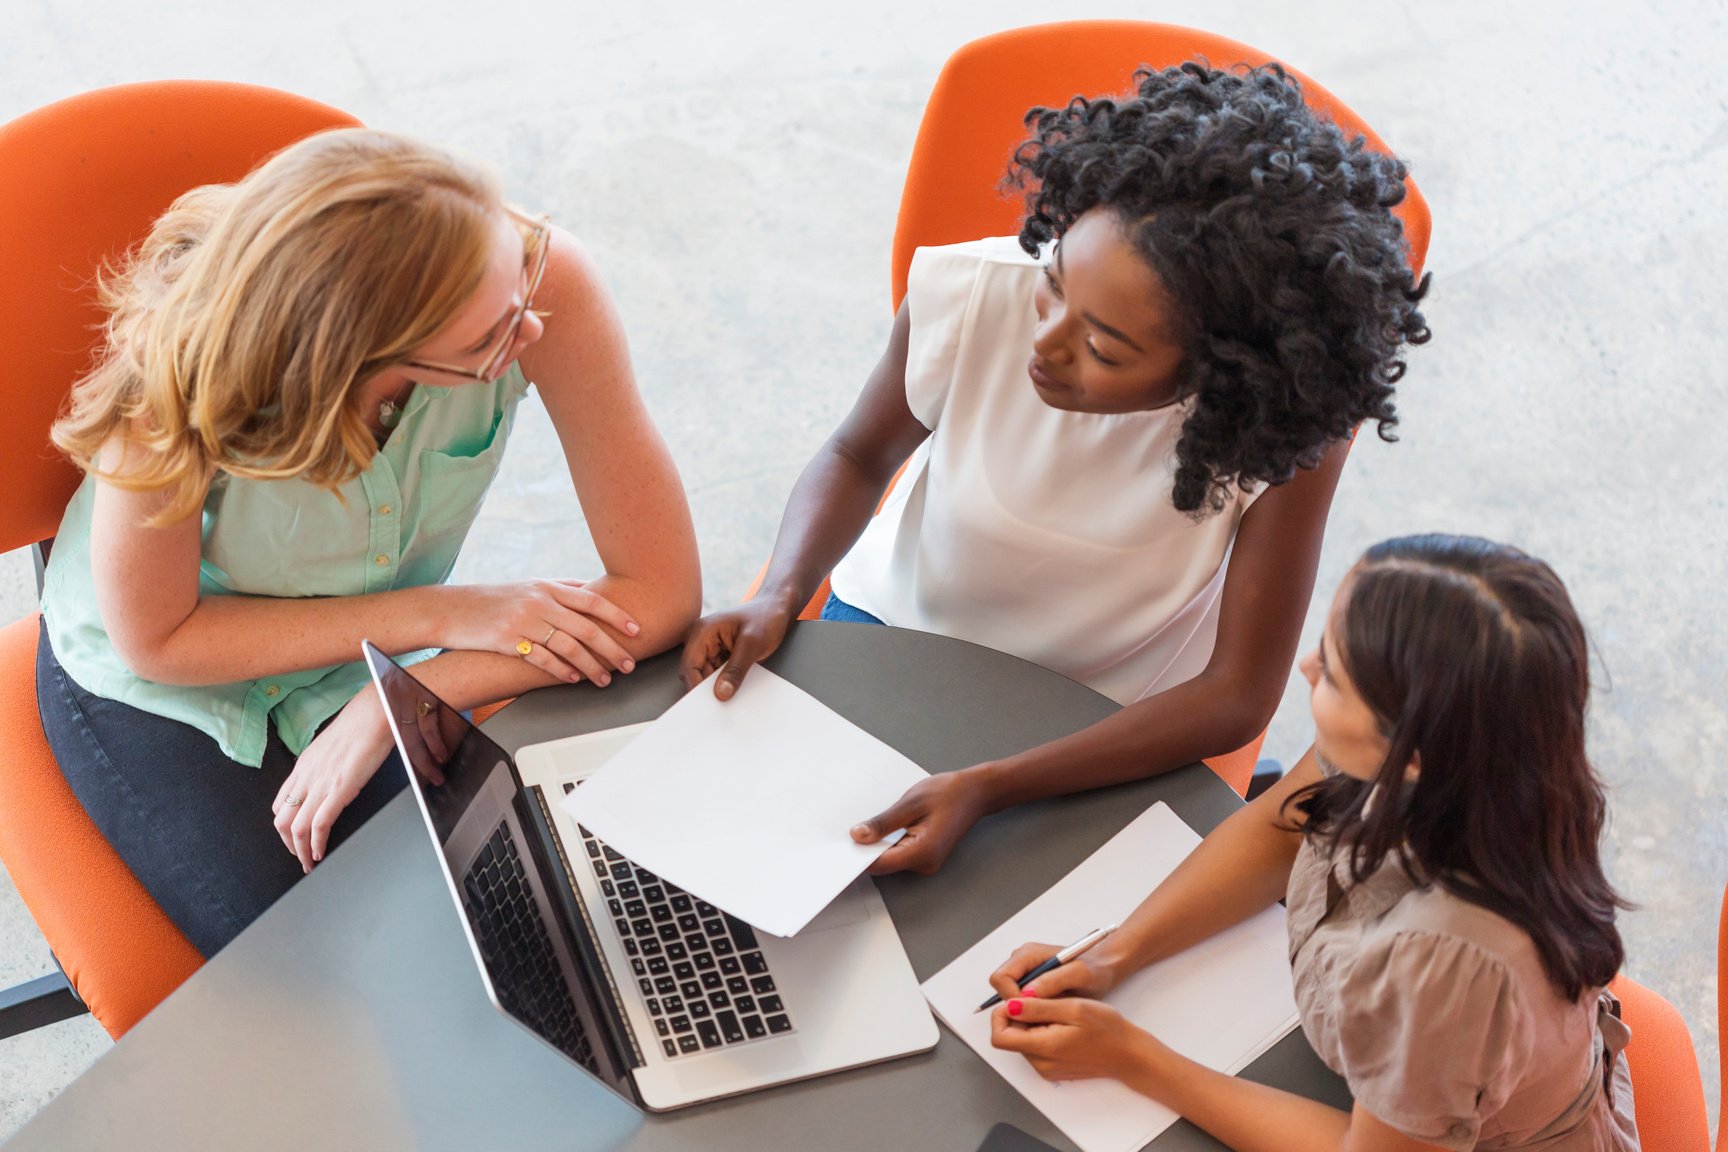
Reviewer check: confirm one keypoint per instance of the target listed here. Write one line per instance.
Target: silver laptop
(663, 998)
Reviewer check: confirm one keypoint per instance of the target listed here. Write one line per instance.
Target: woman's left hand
(329, 774)
(935, 812)
(1073, 1038)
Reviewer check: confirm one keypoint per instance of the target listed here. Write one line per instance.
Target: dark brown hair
(1472, 659)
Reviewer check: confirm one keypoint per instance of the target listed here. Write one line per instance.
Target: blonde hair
(239, 331)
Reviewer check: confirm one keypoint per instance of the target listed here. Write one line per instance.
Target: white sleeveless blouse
(1046, 534)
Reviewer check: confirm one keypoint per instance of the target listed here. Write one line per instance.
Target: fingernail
(1028, 993)
(724, 691)
(628, 665)
(575, 677)
(1015, 1007)
(860, 831)
(604, 679)
(633, 628)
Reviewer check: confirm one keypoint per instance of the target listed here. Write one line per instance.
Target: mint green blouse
(400, 524)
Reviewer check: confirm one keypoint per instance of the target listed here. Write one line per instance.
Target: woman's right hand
(737, 638)
(559, 619)
(1091, 974)
(329, 774)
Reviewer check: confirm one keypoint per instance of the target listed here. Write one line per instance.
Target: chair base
(37, 1003)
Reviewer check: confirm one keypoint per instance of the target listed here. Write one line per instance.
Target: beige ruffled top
(1438, 1014)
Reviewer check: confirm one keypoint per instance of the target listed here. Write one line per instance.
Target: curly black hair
(1273, 232)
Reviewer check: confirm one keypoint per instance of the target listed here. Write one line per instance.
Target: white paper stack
(1221, 1003)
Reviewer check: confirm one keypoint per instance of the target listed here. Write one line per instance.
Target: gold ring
(550, 632)
(525, 647)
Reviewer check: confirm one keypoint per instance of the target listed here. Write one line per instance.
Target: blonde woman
(308, 382)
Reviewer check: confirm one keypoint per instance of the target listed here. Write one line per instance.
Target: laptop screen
(492, 844)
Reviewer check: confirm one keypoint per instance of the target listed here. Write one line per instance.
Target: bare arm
(351, 747)
(1075, 1038)
(1266, 593)
(631, 496)
(1079, 1038)
(147, 593)
(1240, 869)
(839, 489)
(829, 508)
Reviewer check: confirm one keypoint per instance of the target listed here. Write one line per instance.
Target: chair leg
(37, 1003)
(39, 556)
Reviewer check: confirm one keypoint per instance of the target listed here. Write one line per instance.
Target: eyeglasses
(537, 245)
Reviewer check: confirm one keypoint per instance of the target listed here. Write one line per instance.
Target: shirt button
(271, 690)
(385, 509)
(380, 559)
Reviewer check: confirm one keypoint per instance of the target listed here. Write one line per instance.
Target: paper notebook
(1221, 1003)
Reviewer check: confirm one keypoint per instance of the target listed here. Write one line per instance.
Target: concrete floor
(735, 169)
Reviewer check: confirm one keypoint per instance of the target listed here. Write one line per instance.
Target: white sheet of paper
(747, 804)
(1221, 1003)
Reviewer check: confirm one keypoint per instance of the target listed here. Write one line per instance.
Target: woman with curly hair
(307, 386)
(1125, 431)
(1451, 928)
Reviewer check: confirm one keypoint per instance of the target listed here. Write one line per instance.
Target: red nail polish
(1015, 1007)
(1028, 993)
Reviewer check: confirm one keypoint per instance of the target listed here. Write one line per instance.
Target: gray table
(350, 1015)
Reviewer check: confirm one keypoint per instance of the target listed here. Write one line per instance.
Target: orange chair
(976, 117)
(86, 178)
(1667, 1091)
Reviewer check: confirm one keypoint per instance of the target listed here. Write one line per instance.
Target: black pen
(1055, 961)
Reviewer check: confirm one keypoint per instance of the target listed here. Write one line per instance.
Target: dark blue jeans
(192, 825)
(838, 609)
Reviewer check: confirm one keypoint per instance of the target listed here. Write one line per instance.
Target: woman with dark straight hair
(1451, 929)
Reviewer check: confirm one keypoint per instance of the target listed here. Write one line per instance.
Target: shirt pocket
(452, 488)
(457, 447)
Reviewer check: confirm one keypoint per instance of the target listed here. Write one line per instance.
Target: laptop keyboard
(518, 950)
(701, 973)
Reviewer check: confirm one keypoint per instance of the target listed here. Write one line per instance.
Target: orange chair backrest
(975, 118)
(85, 179)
